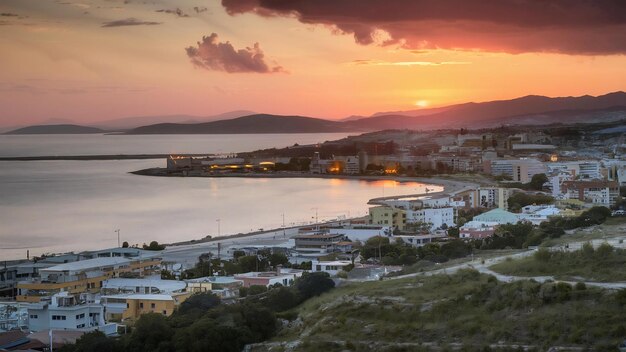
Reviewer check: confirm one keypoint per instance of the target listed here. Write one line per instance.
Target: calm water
(101, 144)
(55, 206)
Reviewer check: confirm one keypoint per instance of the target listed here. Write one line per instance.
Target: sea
(62, 206)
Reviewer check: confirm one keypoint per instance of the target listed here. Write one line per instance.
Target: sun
(421, 103)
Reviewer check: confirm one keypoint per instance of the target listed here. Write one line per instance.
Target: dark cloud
(178, 12)
(129, 22)
(515, 26)
(200, 9)
(216, 56)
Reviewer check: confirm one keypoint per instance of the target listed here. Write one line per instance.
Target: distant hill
(126, 123)
(528, 110)
(56, 129)
(258, 123)
(533, 108)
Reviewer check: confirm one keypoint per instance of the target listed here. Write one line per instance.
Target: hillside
(530, 109)
(259, 123)
(467, 311)
(56, 129)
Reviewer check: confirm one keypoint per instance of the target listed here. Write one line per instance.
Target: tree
(199, 301)
(125, 244)
(154, 246)
(94, 341)
(313, 284)
(151, 333)
(278, 259)
(537, 182)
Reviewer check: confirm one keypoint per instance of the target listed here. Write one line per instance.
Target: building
(536, 214)
(387, 216)
(435, 217)
(488, 197)
(518, 170)
(83, 276)
(317, 244)
(68, 312)
(330, 267)
(223, 286)
(145, 286)
(477, 229)
(603, 193)
(420, 240)
(132, 306)
(282, 276)
(360, 232)
(499, 216)
(589, 170)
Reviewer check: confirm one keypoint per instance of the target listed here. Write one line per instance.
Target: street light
(118, 237)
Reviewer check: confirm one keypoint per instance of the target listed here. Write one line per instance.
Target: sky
(94, 60)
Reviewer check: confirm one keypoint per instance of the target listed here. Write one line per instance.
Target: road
(483, 267)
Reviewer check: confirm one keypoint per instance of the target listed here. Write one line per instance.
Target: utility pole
(118, 237)
(284, 234)
(316, 223)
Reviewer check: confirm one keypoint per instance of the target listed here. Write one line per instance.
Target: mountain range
(528, 110)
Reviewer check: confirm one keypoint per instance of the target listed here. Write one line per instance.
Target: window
(141, 305)
(79, 326)
(80, 316)
(33, 316)
(164, 312)
(152, 305)
(59, 317)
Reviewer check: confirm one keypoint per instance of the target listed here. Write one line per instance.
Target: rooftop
(162, 285)
(89, 264)
(147, 297)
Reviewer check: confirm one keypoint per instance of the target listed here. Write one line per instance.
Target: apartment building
(83, 276)
(65, 311)
(603, 193)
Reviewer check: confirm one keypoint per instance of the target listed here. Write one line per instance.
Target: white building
(419, 240)
(148, 285)
(536, 214)
(361, 232)
(68, 312)
(436, 217)
(330, 267)
(581, 169)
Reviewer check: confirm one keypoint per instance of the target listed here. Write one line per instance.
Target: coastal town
(490, 192)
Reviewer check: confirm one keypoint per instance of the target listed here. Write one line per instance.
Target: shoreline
(92, 157)
(449, 187)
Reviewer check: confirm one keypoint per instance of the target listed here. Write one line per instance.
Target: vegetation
(521, 199)
(264, 260)
(415, 314)
(536, 183)
(154, 246)
(523, 234)
(203, 323)
(604, 263)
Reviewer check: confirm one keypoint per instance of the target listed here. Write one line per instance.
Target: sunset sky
(90, 60)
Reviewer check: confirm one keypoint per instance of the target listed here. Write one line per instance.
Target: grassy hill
(603, 264)
(465, 311)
